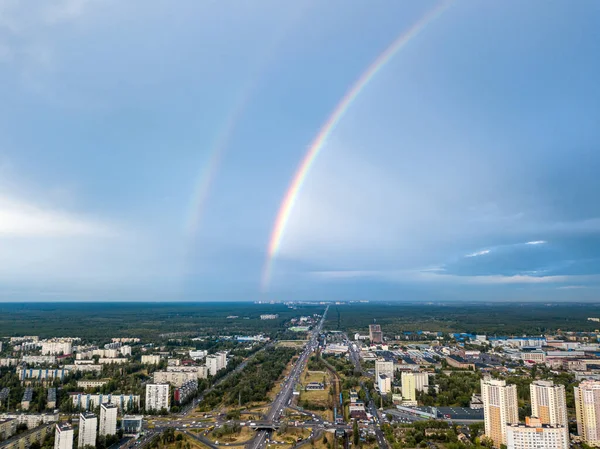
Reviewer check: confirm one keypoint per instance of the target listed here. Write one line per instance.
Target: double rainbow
(291, 196)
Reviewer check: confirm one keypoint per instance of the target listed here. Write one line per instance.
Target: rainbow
(209, 171)
(289, 200)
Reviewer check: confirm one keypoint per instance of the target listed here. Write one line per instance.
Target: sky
(147, 147)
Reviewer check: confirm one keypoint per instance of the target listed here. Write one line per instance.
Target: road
(355, 359)
(285, 394)
(192, 406)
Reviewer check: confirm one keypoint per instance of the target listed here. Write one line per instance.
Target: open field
(243, 435)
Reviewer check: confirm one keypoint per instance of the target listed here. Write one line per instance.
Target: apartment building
(384, 367)
(157, 396)
(88, 423)
(151, 359)
(500, 408)
(56, 347)
(587, 408)
(26, 439)
(375, 334)
(535, 435)
(124, 402)
(175, 378)
(413, 382)
(216, 362)
(108, 419)
(63, 436)
(384, 384)
(548, 403)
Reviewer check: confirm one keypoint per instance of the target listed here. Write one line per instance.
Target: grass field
(244, 434)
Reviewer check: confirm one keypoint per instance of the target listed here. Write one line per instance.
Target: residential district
(324, 388)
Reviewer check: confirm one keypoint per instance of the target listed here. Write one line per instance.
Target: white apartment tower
(383, 367)
(534, 435)
(88, 423)
(108, 419)
(216, 362)
(548, 403)
(500, 408)
(587, 406)
(157, 396)
(63, 437)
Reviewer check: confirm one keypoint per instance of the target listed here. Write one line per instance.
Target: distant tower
(375, 334)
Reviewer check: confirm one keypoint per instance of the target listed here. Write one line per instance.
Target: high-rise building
(216, 362)
(384, 384)
(63, 438)
(108, 419)
(500, 408)
(548, 403)
(375, 334)
(88, 423)
(157, 396)
(413, 382)
(384, 367)
(587, 407)
(534, 435)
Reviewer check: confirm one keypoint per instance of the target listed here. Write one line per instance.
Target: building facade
(535, 435)
(549, 403)
(63, 436)
(157, 397)
(88, 423)
(587, 407)
(384, 367)
(500, 408)
(108, 419)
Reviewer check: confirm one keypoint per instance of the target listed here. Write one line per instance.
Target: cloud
(420, 276)
(24, 219)
(537, 242)
(479, 253)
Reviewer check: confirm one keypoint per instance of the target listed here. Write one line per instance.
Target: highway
(285, 395)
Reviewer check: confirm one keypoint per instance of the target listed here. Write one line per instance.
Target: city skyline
(433, 151)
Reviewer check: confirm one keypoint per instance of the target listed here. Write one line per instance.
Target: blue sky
(466, 169)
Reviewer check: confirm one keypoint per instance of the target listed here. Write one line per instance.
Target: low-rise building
(31, 420)
(51, 398)
(26, 439)
(124, 402)
(27, 398)
(91, 383)
(533, 434)
(311, 386)
(8, 427)
(132, 425)
(151, 359)
(39, 359)
(175, 378)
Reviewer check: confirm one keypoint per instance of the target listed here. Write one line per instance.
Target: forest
(480, 317)
(254, 382)
(145, 320)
